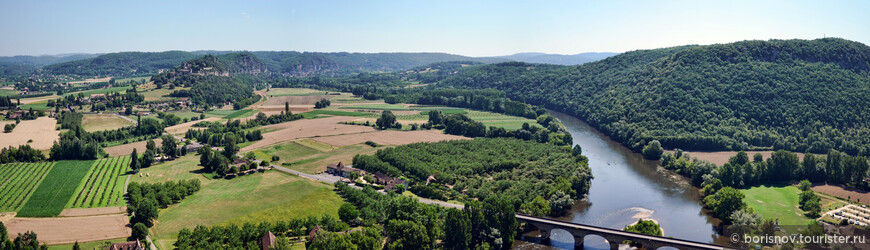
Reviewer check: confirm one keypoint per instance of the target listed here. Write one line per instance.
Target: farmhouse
(381, 178)
(193, 147)
(343, 171)
(391, 185)
(129, 245)
(268, 241)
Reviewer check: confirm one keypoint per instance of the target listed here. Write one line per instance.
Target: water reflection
(627, 188)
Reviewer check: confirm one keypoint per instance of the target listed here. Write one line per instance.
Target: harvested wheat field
(721, 157)
(296, 100)
(92, 80)
(127, 149)
(182, 128)
(390, 137)
(844, 192)
(41, 131)
(307, 128)
(78, 212)
(99, 122)
(38, 99)
(67, 230)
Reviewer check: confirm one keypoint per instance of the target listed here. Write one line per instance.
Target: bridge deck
(602, 230)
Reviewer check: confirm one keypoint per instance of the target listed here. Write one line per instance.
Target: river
(627, 187)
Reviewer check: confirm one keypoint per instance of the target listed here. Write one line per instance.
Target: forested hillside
(44, 60)
(575, 59)
(121, 64)
(343, 63)
(797, 95)
(288, 63)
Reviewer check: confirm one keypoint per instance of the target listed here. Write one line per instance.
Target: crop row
(17, 182)
(101, 188)
(56, 189)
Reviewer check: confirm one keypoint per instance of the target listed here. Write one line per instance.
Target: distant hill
(576, 59)
(288, 63)
(121, 64)
(797, 95)
(39, 61)
(342, 63)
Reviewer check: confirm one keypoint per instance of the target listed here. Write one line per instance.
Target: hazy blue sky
(475, 28)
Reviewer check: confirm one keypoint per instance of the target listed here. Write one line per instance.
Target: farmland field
(315, 113)
(294, 92)
(56, 189)
(8, 92)
(17, 182)
(780, 203)
(42, 131)
(99, 122)
(269, 196)
(103, 186)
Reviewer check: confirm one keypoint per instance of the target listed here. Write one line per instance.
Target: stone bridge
(614, 237)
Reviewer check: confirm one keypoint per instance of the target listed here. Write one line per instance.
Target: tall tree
(134, 161)
(457, 235)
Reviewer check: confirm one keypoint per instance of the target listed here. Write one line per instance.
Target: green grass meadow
(780, 202)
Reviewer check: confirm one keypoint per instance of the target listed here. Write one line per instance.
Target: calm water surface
(625, 188)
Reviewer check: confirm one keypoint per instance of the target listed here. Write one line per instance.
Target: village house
(391, 185)
(268, 241)
(343, 171)
(129, 245)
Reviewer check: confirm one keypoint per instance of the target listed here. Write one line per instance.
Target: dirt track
(182, 128)
(76, 212)
(67, 230)
(307, 128)
(389, 137)
(41, 131)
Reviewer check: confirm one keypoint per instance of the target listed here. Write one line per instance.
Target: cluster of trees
(24, 153)
(221, 134)
(322, 103)
(218, 161)
(743, 95)
(387, 120)
(248, 235)
(718, 183)
(78, 144)
(485, 99)
(809, 201)
(30, 114)
(6, 102)
(25, 241)
(642, 226)
(240, 104)
(520, 171)
(459, 124)
(409, 224)
(145, 199)
(9, 127)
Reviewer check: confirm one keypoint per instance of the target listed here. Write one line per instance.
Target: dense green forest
(342, 63)
(475, 169)
(796, 95)
(121, 64)
(289, 63)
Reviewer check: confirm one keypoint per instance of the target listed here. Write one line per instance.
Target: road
(332, 179)
(126, 118)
